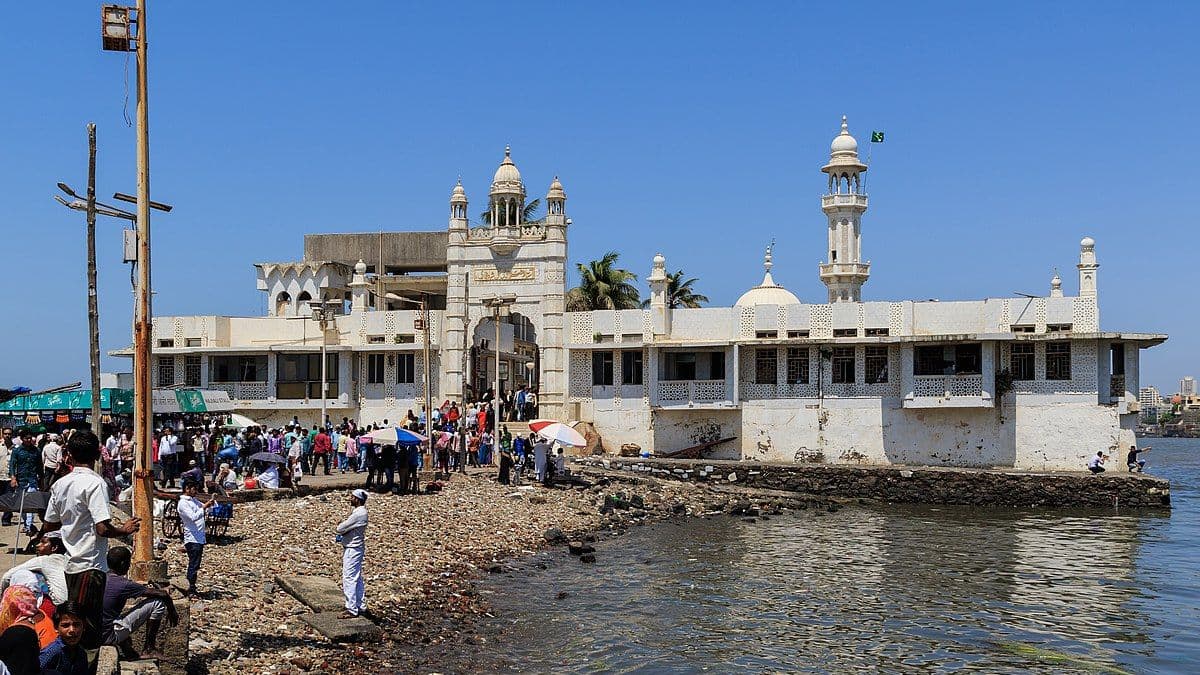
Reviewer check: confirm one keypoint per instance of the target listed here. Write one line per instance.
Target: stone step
(338, 629)
(319, 594)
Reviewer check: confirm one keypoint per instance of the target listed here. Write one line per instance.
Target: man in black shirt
(1136, 465)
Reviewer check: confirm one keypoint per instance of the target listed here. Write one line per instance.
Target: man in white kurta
(352, 535)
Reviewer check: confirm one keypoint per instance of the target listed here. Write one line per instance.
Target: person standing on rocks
(351, 533)
(191, 518)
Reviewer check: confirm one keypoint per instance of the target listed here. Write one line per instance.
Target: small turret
(660, 313)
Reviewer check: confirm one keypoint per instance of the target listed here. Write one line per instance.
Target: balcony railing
(945, 386)
(673, 392)
(844, 200)
(242, 391)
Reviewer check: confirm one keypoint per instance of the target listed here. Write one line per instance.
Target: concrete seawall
(912, 485)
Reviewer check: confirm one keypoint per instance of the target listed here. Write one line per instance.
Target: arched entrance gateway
(508, 270)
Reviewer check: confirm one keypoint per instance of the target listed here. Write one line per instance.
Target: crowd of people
(59, 607)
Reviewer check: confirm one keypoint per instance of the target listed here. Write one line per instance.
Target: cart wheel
(224, 527)
(171, 526)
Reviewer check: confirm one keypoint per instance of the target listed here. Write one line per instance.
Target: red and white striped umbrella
(557, 431)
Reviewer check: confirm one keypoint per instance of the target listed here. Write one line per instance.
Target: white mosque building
(1025, 382)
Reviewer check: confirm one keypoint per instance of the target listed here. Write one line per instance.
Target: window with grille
(191, 370)
(930, 360)
(968, 359)
(166, 371)
(406, 368)
(1020, 361)
(1058, 360)
(766, 334)
(298, 376)
(237, 369)
(875, 362)
(631, 367)
(843, 365)
(797, 334)
(766, 363)
(878, 332)
(797, 365)
(845, 332)
(602, 369)
(374, 368)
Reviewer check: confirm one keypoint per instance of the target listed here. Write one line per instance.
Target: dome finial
(767, 258)
(845, 126)
(507, 150)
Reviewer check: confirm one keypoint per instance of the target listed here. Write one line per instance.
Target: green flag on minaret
(876, 136)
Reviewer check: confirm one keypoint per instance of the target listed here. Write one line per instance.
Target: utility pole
(143, 413)
(93, 301)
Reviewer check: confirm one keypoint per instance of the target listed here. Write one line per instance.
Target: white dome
(843, 143)
(507, 171)
(556, 190)
(1087, 242)
(360, 267)
(459, 195)
(767, 295)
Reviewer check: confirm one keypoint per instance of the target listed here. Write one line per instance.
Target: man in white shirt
(168, 456)
(352, 535)
(51, 458)
(191, 517)
(78, 508)
(113, 445)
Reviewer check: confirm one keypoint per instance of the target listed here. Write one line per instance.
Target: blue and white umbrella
(395, 436)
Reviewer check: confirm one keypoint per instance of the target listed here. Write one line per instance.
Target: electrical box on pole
(130, 247)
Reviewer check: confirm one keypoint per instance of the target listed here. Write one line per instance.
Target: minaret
(454, 330)
(552, 375)
(1087, 267)
(660, 314)
(359, 287)
(845, 272)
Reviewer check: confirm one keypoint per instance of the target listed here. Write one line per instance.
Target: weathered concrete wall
(927, 485)
(402, 251)
(1041, 432)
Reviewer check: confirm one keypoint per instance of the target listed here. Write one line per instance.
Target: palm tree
(680, 294)
(528, 214)
(603, 286)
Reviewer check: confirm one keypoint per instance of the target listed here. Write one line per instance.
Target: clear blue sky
(696, 129)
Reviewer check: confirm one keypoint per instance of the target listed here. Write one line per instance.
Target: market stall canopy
(111, 400)
(120, 401)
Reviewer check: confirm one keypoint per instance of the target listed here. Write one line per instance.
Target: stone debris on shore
(422, 553)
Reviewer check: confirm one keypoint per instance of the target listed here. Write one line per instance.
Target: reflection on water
(876, 589)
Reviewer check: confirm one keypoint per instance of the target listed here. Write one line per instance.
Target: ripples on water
(895, 589)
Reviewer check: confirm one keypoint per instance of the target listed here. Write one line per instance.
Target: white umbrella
(241, 421)
(557, 431)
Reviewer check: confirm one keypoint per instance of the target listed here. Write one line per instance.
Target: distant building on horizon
(1187, 386)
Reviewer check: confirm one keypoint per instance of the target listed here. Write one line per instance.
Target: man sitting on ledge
(118, 624)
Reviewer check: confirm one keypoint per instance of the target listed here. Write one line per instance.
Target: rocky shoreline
(423, 555)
